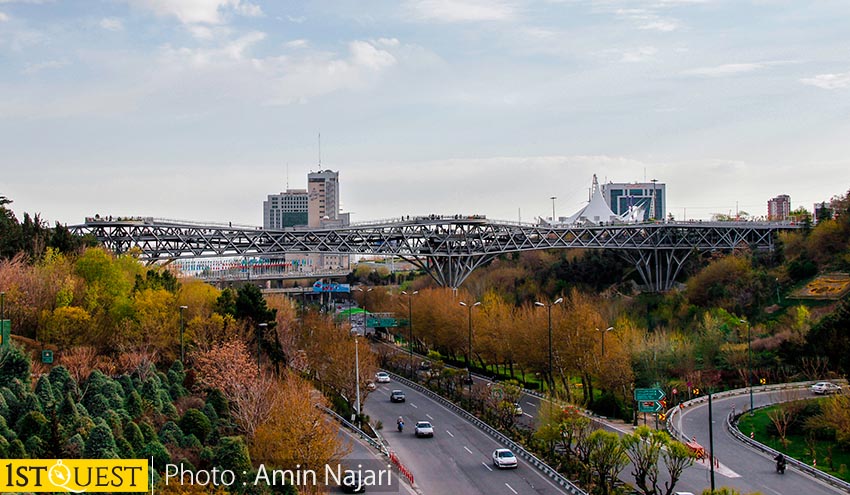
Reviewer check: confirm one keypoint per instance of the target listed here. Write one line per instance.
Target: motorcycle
(400, 426)
(780, 467)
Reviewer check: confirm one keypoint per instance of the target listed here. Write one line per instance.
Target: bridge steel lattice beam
(449, 249)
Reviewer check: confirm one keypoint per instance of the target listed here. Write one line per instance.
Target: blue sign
(331, 287)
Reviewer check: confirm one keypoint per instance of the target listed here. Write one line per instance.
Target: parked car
(826, 388)
(382, 377)
(424, 429)
(397, 396)
(517, 409)
(504, 458)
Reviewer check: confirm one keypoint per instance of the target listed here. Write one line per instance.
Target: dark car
(397, 396)
(353, 484)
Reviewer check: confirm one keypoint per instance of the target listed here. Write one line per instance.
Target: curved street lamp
(549, 307)
(469, 347)
(603, 338)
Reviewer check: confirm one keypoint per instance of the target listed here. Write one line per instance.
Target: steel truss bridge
(448, 248)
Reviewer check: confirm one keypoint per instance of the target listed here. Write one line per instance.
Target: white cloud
(829, 81)
(200, 11)
(733, 69)
(299, 43)
(112, 24)
(664, 25)
(296, 20)
(462, 10)
(638, 54)
(3, 17)
(33, 68)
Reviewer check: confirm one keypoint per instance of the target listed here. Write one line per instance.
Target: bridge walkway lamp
(603, 338)
(469, 345)
(550, 380)
(182, 348)
(410, 326)
(365, 293)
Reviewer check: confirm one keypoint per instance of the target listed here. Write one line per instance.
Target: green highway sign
(650, 406)
(47, 356)
(648, 394)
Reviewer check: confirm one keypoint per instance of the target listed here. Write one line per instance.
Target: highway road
(457, 459)
(742, 467)
(367, 456)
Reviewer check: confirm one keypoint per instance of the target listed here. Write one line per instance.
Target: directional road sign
(642, 394)
(650, 406)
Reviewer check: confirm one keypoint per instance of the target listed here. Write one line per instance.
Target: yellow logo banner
(74, 475)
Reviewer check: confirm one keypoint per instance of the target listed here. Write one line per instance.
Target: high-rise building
(651, 196)
(323, 202)
(779, 208)
(286, 209)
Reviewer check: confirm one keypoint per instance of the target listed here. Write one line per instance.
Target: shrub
(17, 449)
(216, 398)
(101, 443)
(68, 409)
(148, 432)
(36, 447)
(133, 434)
(170, 433)
(196, 423)
(97, 405)
(74, 447)
(158, 452)
(62, 382)
(44, 392)
(14, 364)
(31, 424)
(124, 449)
(133, 405)
(232, 453)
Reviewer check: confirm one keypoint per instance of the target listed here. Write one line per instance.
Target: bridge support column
(450, 271)
(658, 268)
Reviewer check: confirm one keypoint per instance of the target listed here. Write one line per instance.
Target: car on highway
(370, 385)
(397, 396)
(423, 429)
(353, 483)
(504, 458)
(825, 388)
(517, 409)
(382, 377)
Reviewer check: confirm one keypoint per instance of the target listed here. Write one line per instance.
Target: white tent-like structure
(596, 211)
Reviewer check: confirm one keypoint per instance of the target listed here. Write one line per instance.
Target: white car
(826, 388)
(504, 458)
(517, 409)
(424, 429)
(382, 377)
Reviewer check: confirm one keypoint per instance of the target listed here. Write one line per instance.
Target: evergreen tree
(101, 443)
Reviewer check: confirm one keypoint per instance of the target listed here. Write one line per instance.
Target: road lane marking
(511, 489)
(467, 449)
(530, 404)
(485, 465)
(529, 415)
(414, 405)
(429, 417)
(450, 433)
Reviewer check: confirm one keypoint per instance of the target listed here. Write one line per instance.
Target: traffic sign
(47, 356)
(650, 406)
(652, 394)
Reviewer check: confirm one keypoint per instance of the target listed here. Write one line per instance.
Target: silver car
(504, 458)
(826, 388)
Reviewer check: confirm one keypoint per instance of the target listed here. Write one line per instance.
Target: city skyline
(200, 110)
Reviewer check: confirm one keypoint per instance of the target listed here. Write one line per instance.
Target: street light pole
(553, 198)
(357, 378)
(182, 351)
(410, 326)
(749, 365)
(603, 338)
(469, 346)
(262, 328)
(549, 307)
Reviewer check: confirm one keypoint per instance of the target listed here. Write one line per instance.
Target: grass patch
(838, 466)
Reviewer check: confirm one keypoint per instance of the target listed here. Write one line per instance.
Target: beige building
(779, 208)
(323, 211)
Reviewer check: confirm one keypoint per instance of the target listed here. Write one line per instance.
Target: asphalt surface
(458, 458)
(740, 466)
(362, 453)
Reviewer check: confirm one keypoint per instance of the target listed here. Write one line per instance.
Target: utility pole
(410, 326)
(469, 346)
(182, 349)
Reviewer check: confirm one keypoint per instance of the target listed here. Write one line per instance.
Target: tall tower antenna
(320, 151)
(287, 176)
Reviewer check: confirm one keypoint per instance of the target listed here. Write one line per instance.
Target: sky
(198, 109)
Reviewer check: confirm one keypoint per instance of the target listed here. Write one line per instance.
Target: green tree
(14, 364)
(607, 458)
(100, 443)
(194, 422)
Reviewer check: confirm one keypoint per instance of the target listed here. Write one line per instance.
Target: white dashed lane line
(450, 433)
(529, 415)
(485, 465)
(467, 449)
(429, 417)
(414, 405)
(511, 488)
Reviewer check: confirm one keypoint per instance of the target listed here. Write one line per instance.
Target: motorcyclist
(400, 423)
(780, 463)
